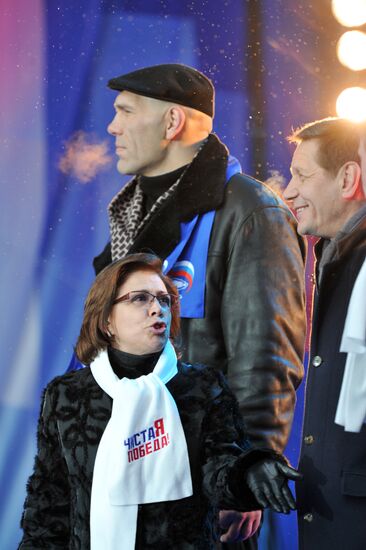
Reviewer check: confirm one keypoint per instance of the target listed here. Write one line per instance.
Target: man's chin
(302, 229)
(306, 231)
(124, 169)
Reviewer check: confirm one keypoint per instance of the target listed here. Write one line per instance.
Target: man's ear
(176, 119)
(351, 182)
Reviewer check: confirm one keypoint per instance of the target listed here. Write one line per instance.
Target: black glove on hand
(268, 482)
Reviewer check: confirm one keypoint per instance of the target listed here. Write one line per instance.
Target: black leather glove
(267, 480)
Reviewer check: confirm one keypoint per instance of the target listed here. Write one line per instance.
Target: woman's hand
(239, 525)
(268, 482)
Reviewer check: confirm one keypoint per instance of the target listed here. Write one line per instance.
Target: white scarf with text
(142, 456)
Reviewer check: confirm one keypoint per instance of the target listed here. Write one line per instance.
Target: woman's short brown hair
(94, 336)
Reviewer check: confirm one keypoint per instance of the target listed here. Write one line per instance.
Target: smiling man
(327, 195)
(227, 240)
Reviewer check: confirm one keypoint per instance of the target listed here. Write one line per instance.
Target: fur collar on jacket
(200, 190)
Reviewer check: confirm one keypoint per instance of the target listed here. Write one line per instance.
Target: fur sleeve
(225, 443)
(45, 520)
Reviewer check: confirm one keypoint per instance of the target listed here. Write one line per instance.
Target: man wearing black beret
(227, 240)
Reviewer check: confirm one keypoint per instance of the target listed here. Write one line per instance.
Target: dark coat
(75, 412)
(254, 324)
(332, 496)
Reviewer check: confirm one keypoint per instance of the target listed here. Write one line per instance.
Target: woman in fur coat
(138, 450)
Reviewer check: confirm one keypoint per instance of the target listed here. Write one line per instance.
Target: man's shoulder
(246, 197)
(244, 187)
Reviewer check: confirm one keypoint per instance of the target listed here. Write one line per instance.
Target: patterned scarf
(126, 214)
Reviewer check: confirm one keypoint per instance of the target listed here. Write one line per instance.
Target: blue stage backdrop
(56, 58)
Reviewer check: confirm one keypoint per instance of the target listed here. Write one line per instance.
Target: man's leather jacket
(254, 324)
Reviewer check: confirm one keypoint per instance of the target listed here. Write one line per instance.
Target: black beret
(170, 82)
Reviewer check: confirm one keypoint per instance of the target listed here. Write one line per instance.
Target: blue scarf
(187, 264)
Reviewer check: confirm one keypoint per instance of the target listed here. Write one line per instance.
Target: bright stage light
(350, 13)
(351, 104)
(351, 50)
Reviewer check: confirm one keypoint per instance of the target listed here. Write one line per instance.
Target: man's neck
(352, 221)
(327, 250)
(153, 187)
(178, 155)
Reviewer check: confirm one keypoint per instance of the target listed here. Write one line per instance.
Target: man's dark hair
(338, 138)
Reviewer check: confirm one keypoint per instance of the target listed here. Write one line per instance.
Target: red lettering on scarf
(159, 427)
(148, 448)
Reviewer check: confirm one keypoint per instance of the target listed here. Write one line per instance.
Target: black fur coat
(74, 414)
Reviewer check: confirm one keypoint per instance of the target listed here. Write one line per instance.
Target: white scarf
(351, 409)
(142, 456)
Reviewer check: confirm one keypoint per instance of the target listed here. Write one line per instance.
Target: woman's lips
(158, 328)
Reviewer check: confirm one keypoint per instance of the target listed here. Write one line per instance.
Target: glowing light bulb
(351, 104)
(351, 50)
(350, 13)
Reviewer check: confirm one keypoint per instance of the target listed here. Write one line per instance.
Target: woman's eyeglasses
(143, 298)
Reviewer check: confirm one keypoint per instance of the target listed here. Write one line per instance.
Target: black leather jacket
(254, 324)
